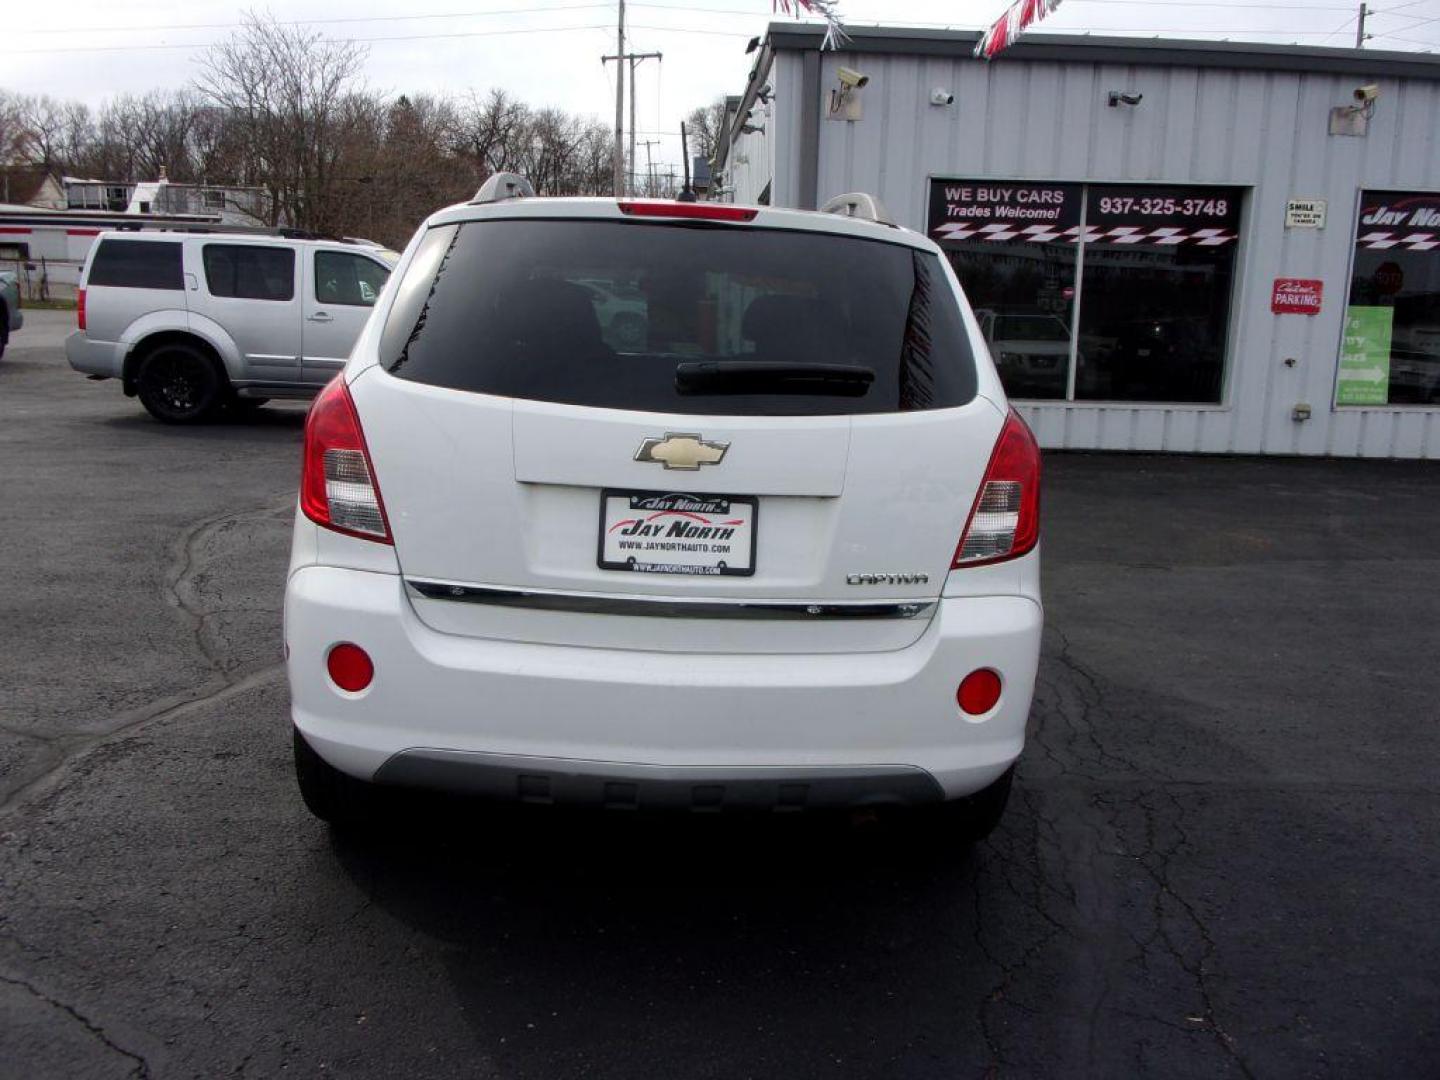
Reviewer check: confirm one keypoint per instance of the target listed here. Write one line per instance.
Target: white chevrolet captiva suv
(770, 541)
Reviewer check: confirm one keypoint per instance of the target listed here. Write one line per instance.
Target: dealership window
(1099, 292)
(1391, 349)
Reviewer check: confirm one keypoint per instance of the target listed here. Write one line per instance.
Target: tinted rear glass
(248, 272)
(137, 264)
(602, 313)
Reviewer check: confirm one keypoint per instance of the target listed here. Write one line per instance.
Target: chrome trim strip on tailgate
(668, 608)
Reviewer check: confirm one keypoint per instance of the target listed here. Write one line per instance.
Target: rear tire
(179, 384)
(4, 328)
(331, 795)
(974, 817)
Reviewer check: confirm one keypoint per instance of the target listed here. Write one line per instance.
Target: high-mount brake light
(1005, 520)
(80, 309)
(337, 487)
(697, 211)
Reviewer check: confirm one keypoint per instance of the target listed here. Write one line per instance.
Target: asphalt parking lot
(1221, 859)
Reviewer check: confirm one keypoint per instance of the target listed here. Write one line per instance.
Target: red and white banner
(1009, 26)
(827, 10)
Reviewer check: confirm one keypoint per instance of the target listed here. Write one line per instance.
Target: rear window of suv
(679, 319)
(137, 264)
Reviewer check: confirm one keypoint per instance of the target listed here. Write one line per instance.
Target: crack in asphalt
(1091, 701)
(1033, 899)
(141, 1068)
(1155, 861)
(1070, 713)
(179, 592)
(170, 708)
(180, 588)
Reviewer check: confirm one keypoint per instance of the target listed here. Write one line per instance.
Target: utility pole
(619, 162)
(621, 57)
(649, 165)
(1360, 34)
(687, 193)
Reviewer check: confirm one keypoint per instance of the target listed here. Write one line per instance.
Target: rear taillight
(80, 308)
(699, 211)
(1005, 521)
(337, 487)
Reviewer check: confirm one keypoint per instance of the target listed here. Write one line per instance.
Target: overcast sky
(548, 53)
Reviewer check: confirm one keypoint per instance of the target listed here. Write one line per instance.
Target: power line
(337, 41)
(695, 30)
(1338, 29)
(1409, 3)
(1418, 22)
(151, 27)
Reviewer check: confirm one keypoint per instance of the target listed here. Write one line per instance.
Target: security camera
(1126, 97)
(851, 79)
(941, 96)
(1367, 93)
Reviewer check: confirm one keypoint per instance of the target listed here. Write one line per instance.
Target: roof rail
(857, 204)
(503, 185)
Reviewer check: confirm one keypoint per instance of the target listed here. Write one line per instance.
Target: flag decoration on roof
(828, 10)
(1018, 16)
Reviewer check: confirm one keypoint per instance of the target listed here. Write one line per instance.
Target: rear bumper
(568, 723)
(17, 319)
(90, 357)
(627, 786)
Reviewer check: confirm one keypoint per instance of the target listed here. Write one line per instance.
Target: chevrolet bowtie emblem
(677, 451)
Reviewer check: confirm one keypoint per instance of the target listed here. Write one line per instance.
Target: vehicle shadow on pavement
(583, 938)
(287, 419)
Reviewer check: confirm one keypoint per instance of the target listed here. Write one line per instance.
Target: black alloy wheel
(178, 384)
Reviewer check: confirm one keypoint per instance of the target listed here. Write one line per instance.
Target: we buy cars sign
(1296, 296)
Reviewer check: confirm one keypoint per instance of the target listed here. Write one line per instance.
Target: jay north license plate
(674, 533)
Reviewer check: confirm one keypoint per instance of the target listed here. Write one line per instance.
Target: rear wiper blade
(771, 377)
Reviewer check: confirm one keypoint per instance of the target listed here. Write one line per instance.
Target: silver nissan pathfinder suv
(193, 322)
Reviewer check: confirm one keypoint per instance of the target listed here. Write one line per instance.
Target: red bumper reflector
(350, 667)
(979, 691)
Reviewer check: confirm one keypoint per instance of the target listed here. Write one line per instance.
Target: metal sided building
(1169, 245)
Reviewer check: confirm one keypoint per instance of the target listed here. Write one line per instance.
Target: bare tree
(42, 127)
(704, 126)
(12, 129)
(281, 109)
(285, 87)
(486, 131)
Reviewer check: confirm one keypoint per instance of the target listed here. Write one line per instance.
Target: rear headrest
(793, 327)
(547, 313)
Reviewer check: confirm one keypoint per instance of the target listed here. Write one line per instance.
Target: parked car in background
(781, 556)
(192, 323)
(622, 312)
(11, 317)
(1031, 351)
